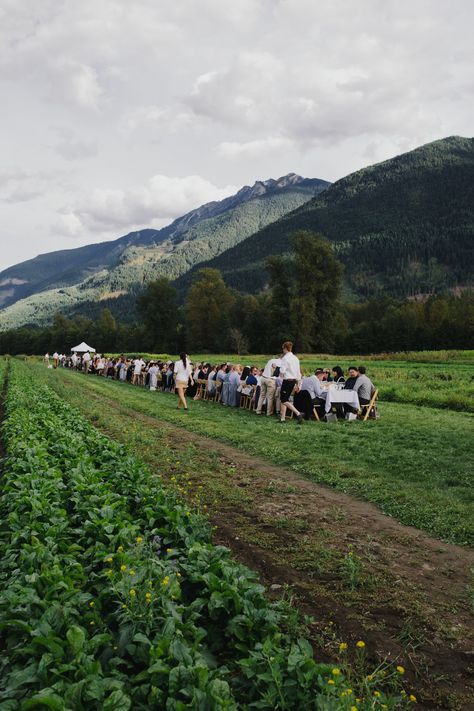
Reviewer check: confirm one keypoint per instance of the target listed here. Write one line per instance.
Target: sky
(118, 115)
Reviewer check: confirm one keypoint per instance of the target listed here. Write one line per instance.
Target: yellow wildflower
(165, 580)
(377, 693)
(331, 681)
(400, 670)
(353, 708)
(109, 560)
(120, 549)
(360, 644)
(348, 691)
(139, 539)
(169, 550)
(335, 672)
(342, 647)
(92, 622)
(131, 572)
(178, 575)
(109, 571)
(148, 596)
(92, 603)
(123, 568)
(412, 698)
(133, 592)
(370, 677)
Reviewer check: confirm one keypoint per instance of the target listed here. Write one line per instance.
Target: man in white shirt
(312, 384)
(268, 386)
(290, 373)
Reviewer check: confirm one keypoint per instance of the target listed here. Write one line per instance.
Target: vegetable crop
(114, 598)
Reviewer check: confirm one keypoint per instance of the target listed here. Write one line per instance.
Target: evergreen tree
(158, 307)
(208, 305)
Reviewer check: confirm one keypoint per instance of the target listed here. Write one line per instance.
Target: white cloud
(161, 200)
(229, 92)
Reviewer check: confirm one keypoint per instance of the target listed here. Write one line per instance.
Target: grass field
(440, 379)
(415, 463)
(408, 596)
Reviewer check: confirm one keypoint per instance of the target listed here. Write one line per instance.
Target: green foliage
(112, 595)
(159, 309)
(208, 306)
(305, 293)
(400, 228)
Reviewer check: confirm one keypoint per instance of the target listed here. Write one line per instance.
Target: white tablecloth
(348, 396)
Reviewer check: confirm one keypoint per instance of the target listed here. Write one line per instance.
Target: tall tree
(208, 306)
(305, 292)
(158, 307)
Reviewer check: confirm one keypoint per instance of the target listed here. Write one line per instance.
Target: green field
(440, 379)
(416, 463)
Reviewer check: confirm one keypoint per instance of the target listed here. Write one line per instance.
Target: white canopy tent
(83, 348)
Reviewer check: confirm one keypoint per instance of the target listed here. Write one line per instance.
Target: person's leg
(261, 399)
(181, 398)
(271, 392)
(286, 390)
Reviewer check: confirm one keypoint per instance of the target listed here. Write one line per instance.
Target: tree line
(303, 303)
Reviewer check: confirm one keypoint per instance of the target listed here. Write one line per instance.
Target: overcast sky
(121, 114)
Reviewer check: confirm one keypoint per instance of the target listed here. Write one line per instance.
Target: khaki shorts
(181, 384)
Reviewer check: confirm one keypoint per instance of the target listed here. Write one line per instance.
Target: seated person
(312, 385)
(362, 385)
(338, 375)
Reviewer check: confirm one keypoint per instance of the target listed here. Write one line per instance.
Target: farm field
(441, 379)
(409, 596)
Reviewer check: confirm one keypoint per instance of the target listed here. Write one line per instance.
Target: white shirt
(139, 364)
(290, 367)
(270, 366)
(182, 371)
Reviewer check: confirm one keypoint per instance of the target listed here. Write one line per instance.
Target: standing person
(290, 373)
(153, 376)
(138, 365)
(55, 359)
(268, 386)
(86, 359)
(183, 372)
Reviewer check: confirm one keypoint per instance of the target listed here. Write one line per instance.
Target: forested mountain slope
(402, 227)
(84, 280)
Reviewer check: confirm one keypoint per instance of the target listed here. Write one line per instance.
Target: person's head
(337, 371)
(182, 355)
(362, 369)
(287, 347)
(319, 373)
(353, 371)
(254, 370)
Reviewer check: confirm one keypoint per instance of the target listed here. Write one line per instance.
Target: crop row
(113, 596)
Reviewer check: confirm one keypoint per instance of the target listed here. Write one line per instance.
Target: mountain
(404, 227)
(86, 279)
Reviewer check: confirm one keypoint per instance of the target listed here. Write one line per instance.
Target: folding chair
(365, 410)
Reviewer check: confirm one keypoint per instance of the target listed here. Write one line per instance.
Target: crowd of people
(278, 388)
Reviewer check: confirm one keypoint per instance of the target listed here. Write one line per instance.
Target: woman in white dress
(182, 372)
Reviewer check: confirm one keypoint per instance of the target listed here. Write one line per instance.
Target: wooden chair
(201, 389)
(216, 396)
(246, 400)
(365, 410)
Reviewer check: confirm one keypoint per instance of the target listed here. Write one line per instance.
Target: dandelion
(120, 549)
(92, 603)
(377, 693)
(133, 592)
(400, 670)
(342, 647)
(92, 623)
(169, 550)
(349, 691)
(331, 681)
(109, 560)
(353, 708)
(148, 597)
(335, 672)
(165, 581)
(139, 539)
(370, 677)
(123, 568)
(360, 644)
(131, 572)
(412, 698)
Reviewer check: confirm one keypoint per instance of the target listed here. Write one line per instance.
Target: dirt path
(358, 573)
